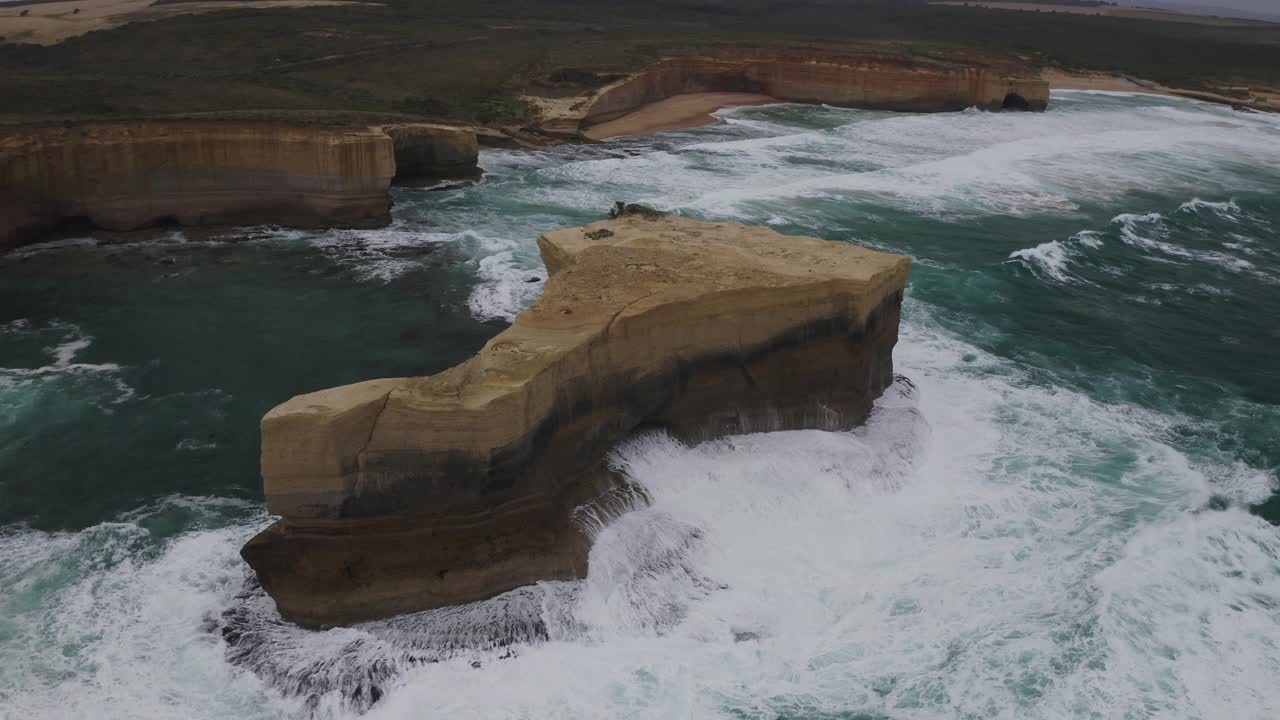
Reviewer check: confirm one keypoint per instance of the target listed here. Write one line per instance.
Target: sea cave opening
(1014, 101)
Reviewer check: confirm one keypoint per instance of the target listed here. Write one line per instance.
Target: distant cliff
(405, 494)
(879, 81)
(136, 175)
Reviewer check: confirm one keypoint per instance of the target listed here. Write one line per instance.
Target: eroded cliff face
(131, 176)
(405, 494)
(425, 153)
(863, 80)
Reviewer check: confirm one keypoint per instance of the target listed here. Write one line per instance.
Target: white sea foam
(1053, 258)
(960, 566)
(1088, 238)
(505, 286)
(982, 162)
(382, 254)
(1228, 209)
(1091, 149)
(73, 341)
(950, 556)
(54, 245)
(106, 626)
(1148, 232)
(1188, 613)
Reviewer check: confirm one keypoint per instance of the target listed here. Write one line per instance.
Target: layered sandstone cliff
(131, 176)
(412, 493)
(426, 153)
(125, 177)
(867, 80)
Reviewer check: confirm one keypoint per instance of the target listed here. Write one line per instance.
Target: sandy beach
(694, 109)
(1063, 80)
(674, 113)
(1254, 98)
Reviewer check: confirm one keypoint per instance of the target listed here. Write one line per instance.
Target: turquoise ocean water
(1069, 516)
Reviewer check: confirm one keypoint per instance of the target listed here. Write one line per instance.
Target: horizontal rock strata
(864, 80)
(131, 176)
(426, 153)
(405, 494)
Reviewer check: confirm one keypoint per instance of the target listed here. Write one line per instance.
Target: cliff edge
(873, 81)
(859, 79)
(135, 175)
(405, 494)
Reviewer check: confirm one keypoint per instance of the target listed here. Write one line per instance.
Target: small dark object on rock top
(620, 209)
(600, 234)
(475, 664)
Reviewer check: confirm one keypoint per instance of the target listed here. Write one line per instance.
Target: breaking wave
(1054, 257)
(17, 384)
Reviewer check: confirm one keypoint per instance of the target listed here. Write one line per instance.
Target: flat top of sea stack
(612, 282)
(682, 250)
(605, 274)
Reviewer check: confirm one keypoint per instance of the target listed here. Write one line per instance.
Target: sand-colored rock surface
(863, 80)
(673, 113)
(130, 176)
(50, 23)
(406, 494)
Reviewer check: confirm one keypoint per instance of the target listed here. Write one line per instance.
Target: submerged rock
(404, 494)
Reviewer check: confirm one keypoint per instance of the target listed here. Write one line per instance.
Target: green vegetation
(469, 61)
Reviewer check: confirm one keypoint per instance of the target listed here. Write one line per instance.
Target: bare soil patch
(52, 22)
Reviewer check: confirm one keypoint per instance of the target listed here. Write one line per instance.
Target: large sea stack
(405, 494)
